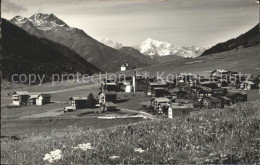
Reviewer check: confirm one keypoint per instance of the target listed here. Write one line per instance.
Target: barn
(20, 97)
(160, 104)
(43, 99)
(210, 102)
(107, 97)
(178, 109)
(79, 102)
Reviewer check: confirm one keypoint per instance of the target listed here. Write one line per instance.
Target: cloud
(11, 7)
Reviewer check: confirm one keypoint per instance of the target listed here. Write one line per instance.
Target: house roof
(220, 70)
(178, 106)
(249, 82)
(226, 98)
(161, 99)
(45, 95)
(159, 88)
(78, 98)
(182, 100)
(156, 83)
(213, 99)
(21, 93)
(111, 83)
(109, 93)
(124, 65)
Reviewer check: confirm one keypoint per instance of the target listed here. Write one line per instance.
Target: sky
(180, 22)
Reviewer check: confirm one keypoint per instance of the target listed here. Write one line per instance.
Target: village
(166, 98)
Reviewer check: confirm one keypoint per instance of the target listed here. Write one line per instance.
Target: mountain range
(50, 27)
(248, 39)
(153, 47)
(24, 53)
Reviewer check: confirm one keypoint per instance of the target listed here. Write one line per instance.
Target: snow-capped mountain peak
(154, 47)
(111, 43)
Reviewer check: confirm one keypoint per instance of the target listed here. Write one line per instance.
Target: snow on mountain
(158, 48)
(111, 43)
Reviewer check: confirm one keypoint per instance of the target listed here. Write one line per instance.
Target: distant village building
(178, 109)
(78, 102)
(108, 106)
(20, 98)
(32, 99)
(237, 97)
(247, 85)
(211, 102)
(153, 87)
(110, 86)
(43, 99)
(124, 67)
(219, 72)
(107, 97)
(160, 104)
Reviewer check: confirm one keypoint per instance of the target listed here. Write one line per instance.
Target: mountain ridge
(100, 55)
(248, 39)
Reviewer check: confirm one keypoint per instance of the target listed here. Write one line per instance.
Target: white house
(43, 99)
(124, 67)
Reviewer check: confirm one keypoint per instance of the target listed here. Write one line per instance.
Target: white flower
(53, 155)
(140, 150)
(84, 147)
(114, 157)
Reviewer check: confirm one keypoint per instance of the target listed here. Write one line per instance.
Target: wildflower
(140, 150)
(114, 157)
(53, 155)
(84, 147)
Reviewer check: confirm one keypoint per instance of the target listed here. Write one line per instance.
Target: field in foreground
(228, 135)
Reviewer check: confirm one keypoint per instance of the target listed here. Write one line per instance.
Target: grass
(229, 135)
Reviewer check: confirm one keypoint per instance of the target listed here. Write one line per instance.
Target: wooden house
(108, 106)
(152, 85)
(179, 109)
(210, 102)
(237, 97)
(160, 104)
(79, 102)
(32, 99)
(110, 86)
(20, 98)
(247, 85)
(219, 72)
(43, 99)
(107, 97)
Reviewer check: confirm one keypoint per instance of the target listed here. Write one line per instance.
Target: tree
(91, 101)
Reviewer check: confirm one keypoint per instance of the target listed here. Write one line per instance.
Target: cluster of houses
(25, 98)
(187, 91)
(175, 97)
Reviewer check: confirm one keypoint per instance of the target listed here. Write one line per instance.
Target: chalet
(107, 97)
(108, 106)
(210, 102)
(32, 99)
(199, 93)
(126, 87)
(178, 109)
(79, 102)
(237, 97)
(110, 86)
(43, 99)
(160, 104)
(152, 85)
(124, 67)
(208, 84)
(20, 97)
(219, 72)
(247, 85)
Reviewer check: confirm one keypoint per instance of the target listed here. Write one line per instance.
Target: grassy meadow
(229, 135)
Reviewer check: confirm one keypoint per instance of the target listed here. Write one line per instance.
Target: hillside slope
(52, 28)
(219, 136)
(27, 54)
(248, 39)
